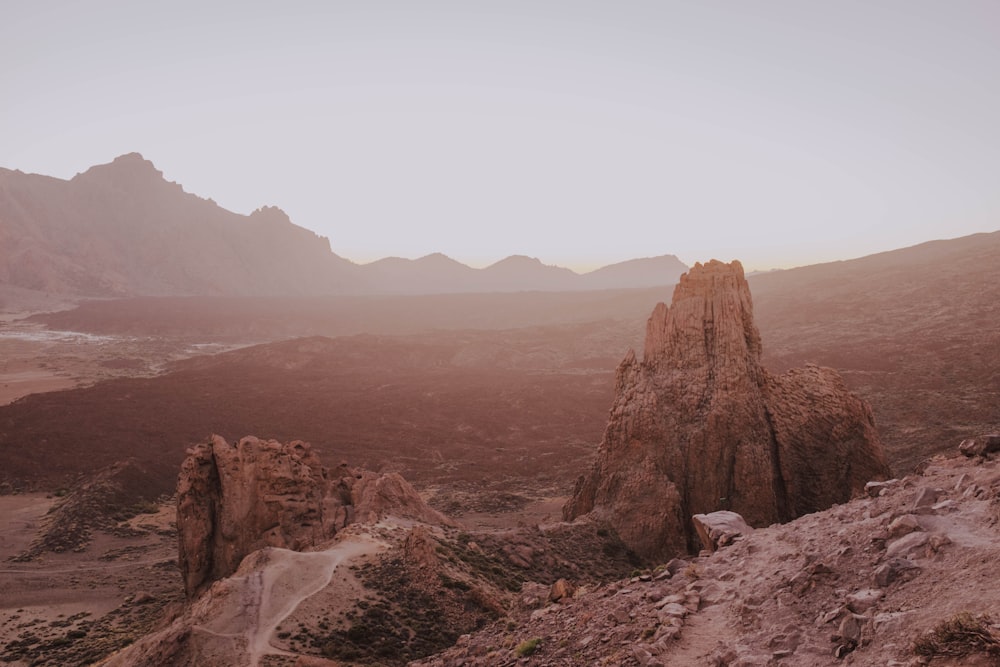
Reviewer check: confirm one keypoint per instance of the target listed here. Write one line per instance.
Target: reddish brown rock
(561, 590)
(699, 425)
(981, 445)
(233, 499)
(720, 528)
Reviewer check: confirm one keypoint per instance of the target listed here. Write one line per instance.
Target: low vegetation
(959, 636)
(528, 647)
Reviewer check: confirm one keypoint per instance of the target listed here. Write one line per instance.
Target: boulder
(561, 590)
(718, 529)
(980, 445)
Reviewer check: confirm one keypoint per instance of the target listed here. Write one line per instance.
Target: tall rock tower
(699, 425)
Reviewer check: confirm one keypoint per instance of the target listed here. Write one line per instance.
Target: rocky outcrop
(233, 499)
(699, 425)
(809, 592)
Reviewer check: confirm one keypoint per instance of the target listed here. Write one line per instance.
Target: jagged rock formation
(233, 499)
(699, 425)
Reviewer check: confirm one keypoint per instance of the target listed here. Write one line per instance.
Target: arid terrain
(491, 405)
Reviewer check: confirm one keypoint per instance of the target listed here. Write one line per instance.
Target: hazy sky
(582, 133)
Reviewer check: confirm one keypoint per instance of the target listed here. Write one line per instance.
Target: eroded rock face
(233, 499)
(699, 425)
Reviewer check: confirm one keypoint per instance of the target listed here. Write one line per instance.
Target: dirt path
(269, 595)
(286, 584)
(700, 637)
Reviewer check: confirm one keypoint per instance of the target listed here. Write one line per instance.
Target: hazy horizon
(582, 134)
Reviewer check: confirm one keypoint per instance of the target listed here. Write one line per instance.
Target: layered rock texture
(699, 425)
(233, 499)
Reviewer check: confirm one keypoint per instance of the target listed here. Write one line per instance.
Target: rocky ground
(72, 607)
(901, 578)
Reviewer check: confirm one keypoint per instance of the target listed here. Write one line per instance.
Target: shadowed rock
(699, 425)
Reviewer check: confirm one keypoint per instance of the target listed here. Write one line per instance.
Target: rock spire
(699, 426)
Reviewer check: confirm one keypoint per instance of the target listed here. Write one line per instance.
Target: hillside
(913, 331)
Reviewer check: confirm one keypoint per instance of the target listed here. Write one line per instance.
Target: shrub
(959, 636)
(527, 647)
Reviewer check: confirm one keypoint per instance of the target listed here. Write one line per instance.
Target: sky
(780, 133)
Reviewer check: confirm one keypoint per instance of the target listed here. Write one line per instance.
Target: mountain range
(121, 229)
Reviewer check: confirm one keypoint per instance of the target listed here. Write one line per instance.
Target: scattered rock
(902, 525)
(924, 500)
(848, 636)
(875, 489)
(861, 601)
(906, 545)
(895, 569)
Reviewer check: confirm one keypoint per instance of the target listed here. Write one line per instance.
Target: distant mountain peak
(129, 168)
(271, 214)
(133, 157)
(515, 260)
(436, 257)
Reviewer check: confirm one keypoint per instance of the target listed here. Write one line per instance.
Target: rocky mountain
(699, 425)
(121, 229)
